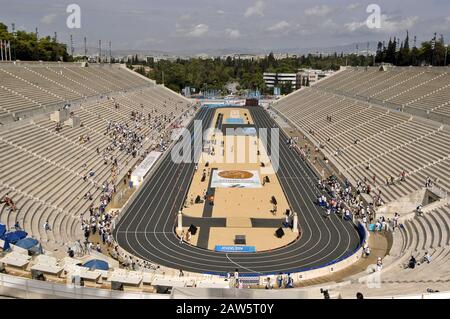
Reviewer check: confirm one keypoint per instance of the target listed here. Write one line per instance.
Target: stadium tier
(422, 235)
(47, 170)
(420, 91)
(367, 134)
(28, 88)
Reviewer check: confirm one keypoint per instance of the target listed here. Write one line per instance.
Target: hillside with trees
(216, 73)
(26, 47)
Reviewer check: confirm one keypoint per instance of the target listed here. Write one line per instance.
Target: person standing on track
(188, 236)
(181, 236)
(236, 275)
(328, 216)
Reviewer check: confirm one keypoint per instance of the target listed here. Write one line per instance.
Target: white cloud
(353, 6)
(49, 18)
(187, 26)
(354, 26)
(329, 24)
(198, 31)
(233, 33)
(318, 11)
(280, 26)
(220, 12)
(388, 24)
(256, 10)
(185, 17)
(151, 40)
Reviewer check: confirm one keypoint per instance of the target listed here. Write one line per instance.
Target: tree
(25, 46)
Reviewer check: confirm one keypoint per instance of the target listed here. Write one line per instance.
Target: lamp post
(15, 39)
(445, 59)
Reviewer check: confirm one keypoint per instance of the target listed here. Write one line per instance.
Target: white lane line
(144, 232)
(242, 267)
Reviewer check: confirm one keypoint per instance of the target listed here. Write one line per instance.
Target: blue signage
(235, 249)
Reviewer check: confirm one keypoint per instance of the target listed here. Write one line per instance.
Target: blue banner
(235, 249)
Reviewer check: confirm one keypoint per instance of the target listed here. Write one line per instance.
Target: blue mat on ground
(27, 243)
(14, 237)
(2, 230)
(96, 264)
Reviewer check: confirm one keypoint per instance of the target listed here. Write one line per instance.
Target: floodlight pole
(445, 59)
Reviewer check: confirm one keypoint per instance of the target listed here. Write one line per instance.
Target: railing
(30, 289)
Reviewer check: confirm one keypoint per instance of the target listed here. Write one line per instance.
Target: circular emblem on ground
(235, 174)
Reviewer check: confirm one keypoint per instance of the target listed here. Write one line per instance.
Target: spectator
(280, 280)
(426, 258)
(46, 226)
(367, 251)
(412, 262)
(289, 282)
(379, 264)
(9, 202)
(182, 236)
(269, 283)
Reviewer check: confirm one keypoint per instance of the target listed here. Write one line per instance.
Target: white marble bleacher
(390, 141)
(42, 170)
(422, 234)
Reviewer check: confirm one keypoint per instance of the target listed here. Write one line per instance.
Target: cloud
(391, 26)
(185, 17)
(146, 43)
(187, 26)
(256, 10)
(151, 40)
(280, 26)
(198, 31)
(355, 25)
(329, 24)
(233, 33)
(353, 6)
(318, 11)
(49, 18)
(220, 12)
(388, 24)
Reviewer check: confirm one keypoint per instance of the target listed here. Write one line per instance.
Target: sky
(253, 25)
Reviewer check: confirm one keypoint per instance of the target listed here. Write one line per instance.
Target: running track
(146, 229)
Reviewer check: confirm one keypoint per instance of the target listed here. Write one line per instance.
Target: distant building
(311, 76)
(277, 79)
